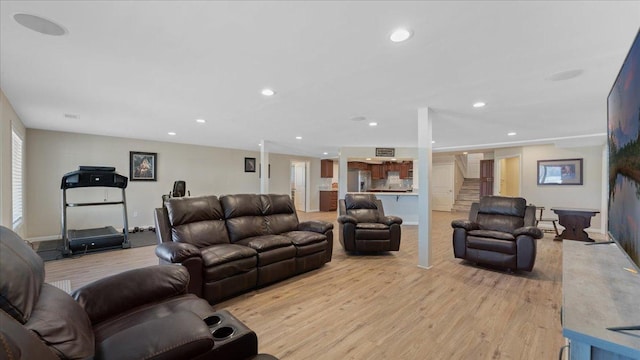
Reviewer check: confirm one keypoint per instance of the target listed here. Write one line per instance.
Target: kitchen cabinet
(406, 170)
(328, 200)
(377, 171)
(326, 168)
(357, 165)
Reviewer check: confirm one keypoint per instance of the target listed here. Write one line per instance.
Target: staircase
(469, 193)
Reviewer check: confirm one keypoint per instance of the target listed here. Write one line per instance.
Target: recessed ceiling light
(511, 133)
(268, 92)
(39, 24)
(298, 137)
(433, 141)
(400, 35)
(259, 144)
(566, 75)
(368, 159)
(465, 153)
(393, 159)
(325, 153)
(479, 104)
(171, 133)
(373, 123)
(201, 121)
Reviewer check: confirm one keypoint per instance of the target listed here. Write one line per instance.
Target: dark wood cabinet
(377, 171)
(326, 168)
(328, 200)
(357, 165)
(406, 170)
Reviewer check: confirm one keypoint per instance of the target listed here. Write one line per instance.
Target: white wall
(206, 170)
(8, 120)
(588, 195)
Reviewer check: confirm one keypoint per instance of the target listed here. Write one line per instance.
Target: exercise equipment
(86, 240)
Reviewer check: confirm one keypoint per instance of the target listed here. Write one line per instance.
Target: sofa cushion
(494, 245)
(22, 276)
(363, 207)
(223, 253)
(501, 213)
(492, 234)
(266, 242)
(197, 220)
(302, 238)
(62, 324)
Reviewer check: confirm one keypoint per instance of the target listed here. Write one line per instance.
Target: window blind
(16, 177)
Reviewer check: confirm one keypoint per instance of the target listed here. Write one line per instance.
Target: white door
(299, 184)
(442, 187)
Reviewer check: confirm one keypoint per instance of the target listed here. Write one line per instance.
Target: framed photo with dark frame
(560, 172)
(143, 166)
(249, 164)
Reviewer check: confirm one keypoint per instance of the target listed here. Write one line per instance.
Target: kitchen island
(401, 204)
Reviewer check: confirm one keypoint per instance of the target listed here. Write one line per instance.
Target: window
(16, 178)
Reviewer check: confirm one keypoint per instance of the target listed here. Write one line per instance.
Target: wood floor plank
(384, 306)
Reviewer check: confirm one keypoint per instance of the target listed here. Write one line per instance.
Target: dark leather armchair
(500, 231)
(364, 227)
(138, 314)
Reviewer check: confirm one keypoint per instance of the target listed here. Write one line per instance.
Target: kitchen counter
(401, 204)
(390, 192)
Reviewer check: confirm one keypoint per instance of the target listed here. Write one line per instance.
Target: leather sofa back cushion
(197, 220)
(186, 210)
(281, 214)
(250, 215)
(501, 214)
(62, 324)
(21, 276)
(362, 206)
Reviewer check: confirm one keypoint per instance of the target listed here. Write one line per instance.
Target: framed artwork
(560, 172)
(142, 166)
(249, 164)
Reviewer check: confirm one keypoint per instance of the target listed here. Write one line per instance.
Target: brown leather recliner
(364, 226)
(139, 314)
(500, 231)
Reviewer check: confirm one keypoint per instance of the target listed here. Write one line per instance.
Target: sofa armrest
(173, 252)
(465, 224)
(189, 337)
(315, 226)
(532, 231)
(390, 220)
(116, 294)
(347, 219)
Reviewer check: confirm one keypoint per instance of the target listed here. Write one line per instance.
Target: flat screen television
(623, 130)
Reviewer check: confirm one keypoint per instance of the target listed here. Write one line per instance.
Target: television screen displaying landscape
(624, 155)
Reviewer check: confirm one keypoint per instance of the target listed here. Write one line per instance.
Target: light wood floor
(384, 306)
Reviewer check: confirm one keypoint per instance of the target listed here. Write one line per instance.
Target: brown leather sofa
(139, 314)
(364, 227)
(500, 231)
(239, 242)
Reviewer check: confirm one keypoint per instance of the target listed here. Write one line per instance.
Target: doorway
(486, 177)
(442, 187)
(509, 176)
(299, 185)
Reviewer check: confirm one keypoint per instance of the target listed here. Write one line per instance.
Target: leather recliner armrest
(465, 224)
(347, 219)
(315, 226)
(189, 337)
(390, 220)
(176, 253)
(532, 231)
(116, 294)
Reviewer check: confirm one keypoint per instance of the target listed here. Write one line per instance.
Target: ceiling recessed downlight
(513, 133)
(39, 24)
(400, 35)
(373, 123)
(325, 153)
(298, 137)
(201, 121)
(479, 104)
(268, 92)
(368, 159)
(171, 133)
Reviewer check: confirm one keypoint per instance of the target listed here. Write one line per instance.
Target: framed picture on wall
(142, 166)
(560, 172)
(249, 164)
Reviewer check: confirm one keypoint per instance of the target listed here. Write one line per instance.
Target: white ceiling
(140, 69)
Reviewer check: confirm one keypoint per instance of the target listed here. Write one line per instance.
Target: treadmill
(87, 240)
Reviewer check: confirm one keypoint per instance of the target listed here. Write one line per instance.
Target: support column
(264, 164)
(425, 147)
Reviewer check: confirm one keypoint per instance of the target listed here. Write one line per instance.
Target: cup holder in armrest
(213, 320)
(223, 332)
